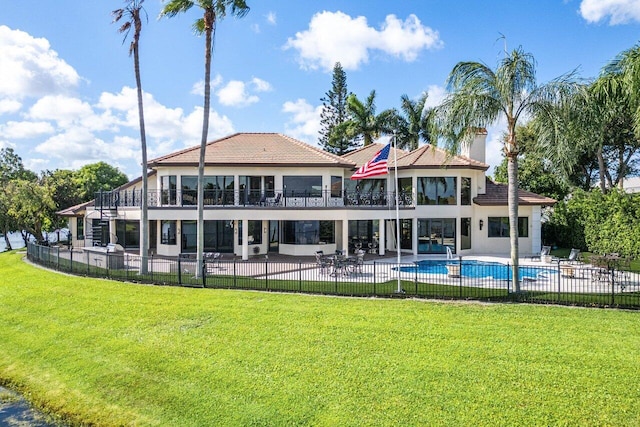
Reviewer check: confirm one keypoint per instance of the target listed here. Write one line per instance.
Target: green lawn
(106, 353)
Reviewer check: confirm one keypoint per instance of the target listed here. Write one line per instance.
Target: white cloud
(255, 28)
(618, 11)
(494, 144)
(9, 106)
(271, 18)
(305, 123)
(336, 36)
(24, 130)
(67, 111)
(198, 87)
(261, 85)
(234, 94)
(436, 95)
(30, 68)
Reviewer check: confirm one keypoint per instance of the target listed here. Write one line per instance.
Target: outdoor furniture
(323, 262)
(573, 258)
(544, 252)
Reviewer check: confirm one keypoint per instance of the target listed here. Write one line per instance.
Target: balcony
(253, 199)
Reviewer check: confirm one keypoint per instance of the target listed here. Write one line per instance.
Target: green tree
(97, 177)
(30, 206)
(364, 124)
(64, 191)
(535, 173)
(478, 96)
(334, 112)
(132, 13)
(414, 124)
(11, 168)
(213, 10)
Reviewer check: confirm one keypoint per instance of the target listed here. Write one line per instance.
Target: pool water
(479, 269)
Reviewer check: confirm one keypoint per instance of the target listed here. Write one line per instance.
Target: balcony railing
(254, 199)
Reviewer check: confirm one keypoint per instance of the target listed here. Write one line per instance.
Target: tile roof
(364, 154)
(430, 157)
(75, 210)
(496, 195)
(251, 149)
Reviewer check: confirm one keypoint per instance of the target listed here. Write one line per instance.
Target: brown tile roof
(496, 195)
(430, 157)
(364, 154)
(251, 149)
(75, 210)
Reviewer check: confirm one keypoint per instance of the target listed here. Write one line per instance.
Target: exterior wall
(480, 243)
(483, 244)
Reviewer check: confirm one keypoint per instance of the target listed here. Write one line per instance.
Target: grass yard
(98, 352)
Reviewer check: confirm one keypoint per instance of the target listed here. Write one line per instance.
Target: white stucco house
(267, 192)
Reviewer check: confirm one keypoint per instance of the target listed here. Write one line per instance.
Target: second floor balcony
(255, 199)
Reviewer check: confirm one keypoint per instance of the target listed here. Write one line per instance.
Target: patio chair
(323, 263)
(545, 251)
(276, 201)
(357, 262)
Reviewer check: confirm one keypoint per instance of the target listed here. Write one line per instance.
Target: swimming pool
(479, 269)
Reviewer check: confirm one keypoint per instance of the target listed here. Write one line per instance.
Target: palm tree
(364, 123)
(414, 125)
(479, 96)
(213, 10)
(131, 12)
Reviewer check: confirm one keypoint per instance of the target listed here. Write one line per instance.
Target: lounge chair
(573, 258)
(545, 251)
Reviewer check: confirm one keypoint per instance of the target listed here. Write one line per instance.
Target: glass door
(274, 236)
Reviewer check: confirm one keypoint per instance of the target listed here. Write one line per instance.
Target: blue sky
(67, 89)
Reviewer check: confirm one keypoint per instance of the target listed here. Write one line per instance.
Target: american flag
(375, 166)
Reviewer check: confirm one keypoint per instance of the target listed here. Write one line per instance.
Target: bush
(597, 222)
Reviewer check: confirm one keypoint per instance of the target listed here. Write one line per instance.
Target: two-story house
(266, 192)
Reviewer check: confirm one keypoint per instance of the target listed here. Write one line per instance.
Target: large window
(465, 233)
(365, 186)
(302, 186)
(80, 228)
(168, 188)
(308, 232)
(499, 226)
(336, 186)
(436, 234)
(218, 190)
(255, 232)
(128, 233)
(168, 232)
(437, 190)
(218, 236)
(465, 191)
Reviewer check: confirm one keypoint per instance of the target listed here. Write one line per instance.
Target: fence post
(58, 260)
(460, 275)
(179, 271)
(88, 264)
(559, 281)
(374, 278)
(203, 268)
(612, 272)
(71, 260)
(235, 274)
(300, 275)
(266, 275)
(415, 266)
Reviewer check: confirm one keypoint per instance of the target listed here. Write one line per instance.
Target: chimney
(476, 150)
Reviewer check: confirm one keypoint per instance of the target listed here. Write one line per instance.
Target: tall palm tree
(414, 125)
(213, 10)
(479, 96)
(131, 14)
(363, 122)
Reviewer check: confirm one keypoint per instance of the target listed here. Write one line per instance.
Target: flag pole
(395, 167)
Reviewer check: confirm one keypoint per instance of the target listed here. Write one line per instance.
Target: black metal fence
(546, 283)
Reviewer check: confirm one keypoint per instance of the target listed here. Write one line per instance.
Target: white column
(245, 239)
(381, 232)
(345, 236)
(536, 229)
